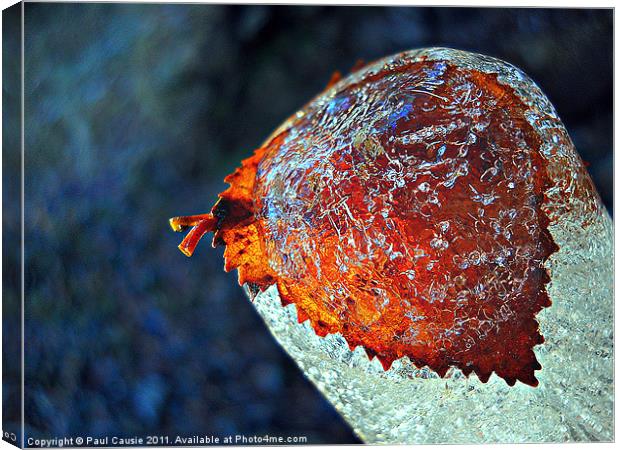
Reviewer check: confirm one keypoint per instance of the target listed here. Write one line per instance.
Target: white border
(472, 3)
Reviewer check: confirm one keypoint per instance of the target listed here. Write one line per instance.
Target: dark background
(135, 113)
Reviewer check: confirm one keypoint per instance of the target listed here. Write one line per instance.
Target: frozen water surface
(574, 399)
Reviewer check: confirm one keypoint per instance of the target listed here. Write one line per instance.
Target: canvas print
(292, 225)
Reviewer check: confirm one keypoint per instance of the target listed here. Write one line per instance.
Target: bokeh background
(134, 113)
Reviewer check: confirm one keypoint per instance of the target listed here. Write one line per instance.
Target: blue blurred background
(134, 114)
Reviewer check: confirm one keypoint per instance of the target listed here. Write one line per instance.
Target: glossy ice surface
(404, 212)
(574, 398)
(431, 210)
